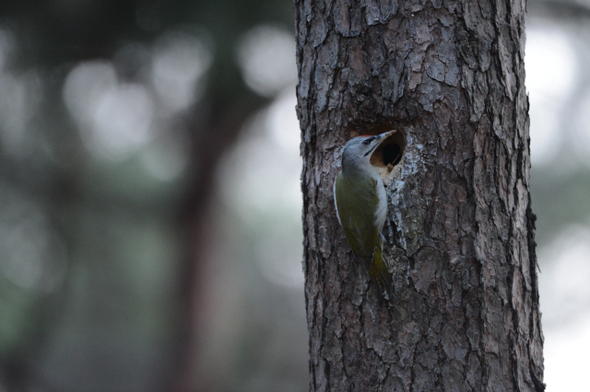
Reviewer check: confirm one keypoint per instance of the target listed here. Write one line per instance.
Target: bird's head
(357, 152)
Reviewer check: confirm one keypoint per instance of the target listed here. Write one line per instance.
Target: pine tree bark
(460, 231)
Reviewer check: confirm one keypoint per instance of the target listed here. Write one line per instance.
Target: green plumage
(357, 202)
(356, 199)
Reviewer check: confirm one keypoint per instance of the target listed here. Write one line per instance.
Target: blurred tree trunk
(460, 230)
(211, 138)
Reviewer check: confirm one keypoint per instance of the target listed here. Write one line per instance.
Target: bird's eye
(367, 141)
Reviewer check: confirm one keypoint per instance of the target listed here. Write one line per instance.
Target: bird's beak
(382, 137)
(385, 135)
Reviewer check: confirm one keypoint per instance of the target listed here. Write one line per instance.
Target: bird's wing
(356, 202)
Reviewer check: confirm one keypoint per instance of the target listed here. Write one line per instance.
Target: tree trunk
(460, 231)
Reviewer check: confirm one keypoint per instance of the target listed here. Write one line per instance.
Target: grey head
(356, 155)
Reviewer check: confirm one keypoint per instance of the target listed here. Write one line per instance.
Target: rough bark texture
(450, 76)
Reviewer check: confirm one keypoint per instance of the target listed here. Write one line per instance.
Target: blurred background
(150, 235)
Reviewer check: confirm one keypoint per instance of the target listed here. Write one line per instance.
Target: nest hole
(392, 154)
(389, 153)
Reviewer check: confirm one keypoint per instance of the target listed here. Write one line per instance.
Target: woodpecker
(361, 206)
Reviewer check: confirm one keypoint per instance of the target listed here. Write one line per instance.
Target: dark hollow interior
(392, 153)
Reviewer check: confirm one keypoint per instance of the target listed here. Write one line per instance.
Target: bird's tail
(380, 274)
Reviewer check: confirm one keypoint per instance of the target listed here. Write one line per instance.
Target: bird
(361, 206)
